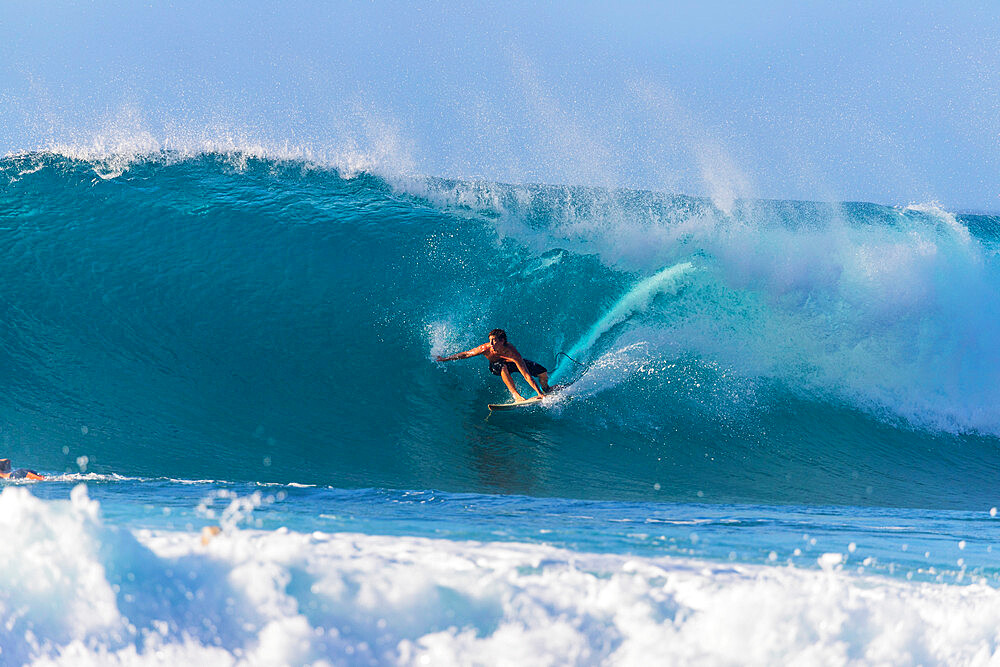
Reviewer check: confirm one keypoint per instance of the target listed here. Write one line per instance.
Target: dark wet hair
(499, 333)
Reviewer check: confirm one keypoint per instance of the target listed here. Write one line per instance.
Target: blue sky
(893, 102)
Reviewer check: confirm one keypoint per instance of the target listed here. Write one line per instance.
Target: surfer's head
(498, 336)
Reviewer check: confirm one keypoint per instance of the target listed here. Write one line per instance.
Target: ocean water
(780, 442)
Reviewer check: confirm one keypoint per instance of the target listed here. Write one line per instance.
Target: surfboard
(517, 404)
(534, 400)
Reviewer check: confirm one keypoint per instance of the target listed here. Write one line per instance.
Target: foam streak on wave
(637, 298)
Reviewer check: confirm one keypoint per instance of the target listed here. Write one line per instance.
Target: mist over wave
(265, 315)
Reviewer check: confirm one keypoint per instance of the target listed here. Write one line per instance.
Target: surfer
(504, 358)
(20, 473)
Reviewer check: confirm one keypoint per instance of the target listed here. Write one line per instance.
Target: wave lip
(371, 149)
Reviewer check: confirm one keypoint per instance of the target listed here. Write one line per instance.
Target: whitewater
(779, 444)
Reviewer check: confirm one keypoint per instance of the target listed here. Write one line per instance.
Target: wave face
(230, 317)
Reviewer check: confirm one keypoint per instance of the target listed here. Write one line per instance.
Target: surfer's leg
(509, 381)
(543, 382)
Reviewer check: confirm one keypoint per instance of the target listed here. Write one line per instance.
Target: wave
(227, 313)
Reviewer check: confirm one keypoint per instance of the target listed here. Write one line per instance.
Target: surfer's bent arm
(476, 351)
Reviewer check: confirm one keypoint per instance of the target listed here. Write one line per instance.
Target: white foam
(91, 477)
(373, 145)
(74, 591)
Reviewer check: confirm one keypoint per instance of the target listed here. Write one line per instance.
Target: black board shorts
(534, 368)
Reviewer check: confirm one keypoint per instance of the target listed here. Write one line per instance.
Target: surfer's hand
(439, 358)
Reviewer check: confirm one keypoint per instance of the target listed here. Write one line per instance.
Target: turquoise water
(793, 396)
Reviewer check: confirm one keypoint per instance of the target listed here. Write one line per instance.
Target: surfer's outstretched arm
(474, 352)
